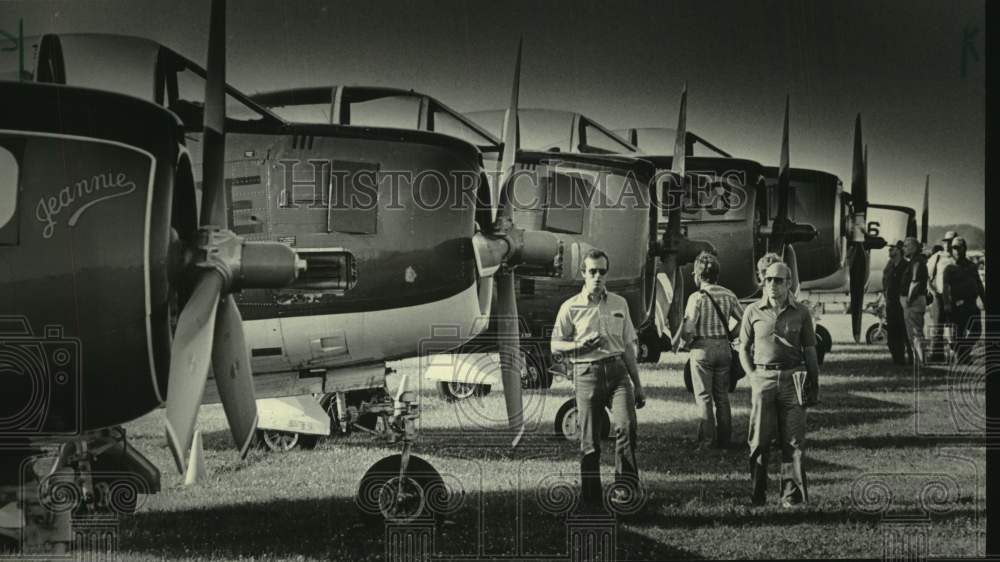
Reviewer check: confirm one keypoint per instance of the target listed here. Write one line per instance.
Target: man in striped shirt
(706, 326)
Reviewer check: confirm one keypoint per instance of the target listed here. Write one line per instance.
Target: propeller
(857, 253)
(925, 215)
(675, 249)
(209, 332)
(784, 232)
(508, 330)
(499, 248)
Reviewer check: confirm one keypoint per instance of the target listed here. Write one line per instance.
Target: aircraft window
(567, 198)
(8, 190)
(448, 124)
(540, 129)
(596, 140)
(10, 57)
(400, 112)
(304, 113)
(191, 96)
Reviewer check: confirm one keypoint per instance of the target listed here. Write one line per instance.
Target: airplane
(441, 266)
(115, 289)
(725, 204)
(827, 265)
(557, 192)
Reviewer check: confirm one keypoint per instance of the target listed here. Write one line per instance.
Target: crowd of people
(772, 341)
(776, 349)
(944, 286)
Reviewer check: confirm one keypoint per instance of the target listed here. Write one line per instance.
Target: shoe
(788, 504)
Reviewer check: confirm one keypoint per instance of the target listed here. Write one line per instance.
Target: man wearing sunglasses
(594, 331)
(776, 337)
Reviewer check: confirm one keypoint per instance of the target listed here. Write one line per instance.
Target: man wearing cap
(776, 337)
(895, 327)
(936, 265)
(962, 286)
(594, 332)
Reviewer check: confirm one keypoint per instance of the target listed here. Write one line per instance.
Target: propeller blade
(859, 185)
(792, 260)
(679, 162)
(213, 200)
(859, 280)
(509, 346)
(925, 215)
(233, 375)
(190, 359)
(783, 173)
(511, 139)
(674, 194)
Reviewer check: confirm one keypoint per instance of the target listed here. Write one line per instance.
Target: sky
(899, 64)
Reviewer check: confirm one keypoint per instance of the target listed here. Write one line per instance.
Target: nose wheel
(398, 492)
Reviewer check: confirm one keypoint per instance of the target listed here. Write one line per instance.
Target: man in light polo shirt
(938, 320)
(776, 337)
(594, 332)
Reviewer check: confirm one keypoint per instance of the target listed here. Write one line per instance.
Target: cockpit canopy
(375, 107)
(659, 141)
(549, 130)
(133, 66)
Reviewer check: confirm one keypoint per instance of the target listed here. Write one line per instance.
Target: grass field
(895, 460)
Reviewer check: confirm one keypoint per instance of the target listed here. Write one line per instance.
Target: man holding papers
(776, 337)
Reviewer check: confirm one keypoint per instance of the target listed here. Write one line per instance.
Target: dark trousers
(938, 324)
(775, 412)
(899, 345)
(968, 327)
(597, 386)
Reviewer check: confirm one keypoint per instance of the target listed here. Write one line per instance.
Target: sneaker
(789, 504)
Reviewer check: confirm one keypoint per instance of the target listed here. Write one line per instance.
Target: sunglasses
(775, 280)
(594, 271)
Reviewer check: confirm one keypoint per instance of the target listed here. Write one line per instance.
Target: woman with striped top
(711, 352)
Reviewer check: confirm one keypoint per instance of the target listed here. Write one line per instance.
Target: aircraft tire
(454, 392)
(278, 441)
(566, 425)
(423, 490)
(824, 342)
(876, 334)
(649, 346)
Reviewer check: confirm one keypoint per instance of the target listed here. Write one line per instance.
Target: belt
(772, 367)
(611, 359)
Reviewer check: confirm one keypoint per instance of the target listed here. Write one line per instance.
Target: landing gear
(567, 422)
(365, 410)
(399, 493)
(877, 334)
(824, 342)
(537, 369)
(402, 487)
